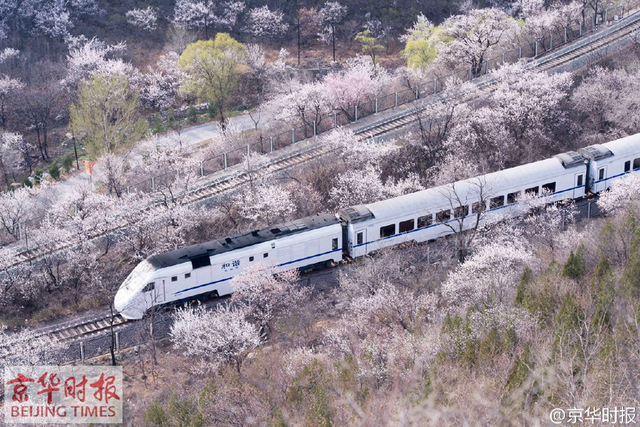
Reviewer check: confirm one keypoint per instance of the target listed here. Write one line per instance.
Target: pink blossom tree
(361, 81)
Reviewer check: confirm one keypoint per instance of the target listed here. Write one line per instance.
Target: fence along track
(553, 60)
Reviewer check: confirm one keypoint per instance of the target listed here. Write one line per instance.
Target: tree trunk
(333, 38)
(299, 40)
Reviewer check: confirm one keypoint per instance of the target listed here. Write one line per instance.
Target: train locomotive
(208, 268)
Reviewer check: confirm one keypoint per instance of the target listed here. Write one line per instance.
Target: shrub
(54, 170)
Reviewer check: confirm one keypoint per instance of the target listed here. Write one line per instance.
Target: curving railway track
(553, 60)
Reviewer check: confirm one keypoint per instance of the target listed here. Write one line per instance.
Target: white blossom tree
(17, 207)
(264, 296)
(263, 22)
(623, 194)
(26, 348)
(607, 98)
(215, 337)
(307, 106)
(356, 187)
(332, 14)
(488, 277)
(14, 153)
(265, 203)
(159, 86)
(146, 18)
(471, 38)
(8, 87)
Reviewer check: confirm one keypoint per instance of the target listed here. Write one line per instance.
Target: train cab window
(496, 202)
(174, 278)
(580, 181)
(478, 207)
(251, 259)
(533, 191)
(512, 197)
(359, 238)
(387, 230)
(407, 225)
(600, 174)
(187, 275)
(636, 163)
(627, 166)
(549, 188)
(265, 255)
(334, 244)
(200, 261)
(460, 211)
(424, 221)
(443, 216)
(150, 286)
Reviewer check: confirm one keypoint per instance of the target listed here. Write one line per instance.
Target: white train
(358, 230)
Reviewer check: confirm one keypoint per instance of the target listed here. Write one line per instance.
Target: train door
(578, 185)
(360, 243)
(601, 183)
(158, 292)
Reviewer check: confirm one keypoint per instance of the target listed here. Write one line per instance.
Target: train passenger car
(450, 208)
(209, 267)
(610, 161)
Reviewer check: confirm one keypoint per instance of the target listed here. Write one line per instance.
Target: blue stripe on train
(279, 265)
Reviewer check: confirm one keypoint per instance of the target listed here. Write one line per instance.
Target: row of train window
(462, 211)
(627, 165)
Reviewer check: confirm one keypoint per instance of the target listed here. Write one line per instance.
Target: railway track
(86, 328)
(549, 61)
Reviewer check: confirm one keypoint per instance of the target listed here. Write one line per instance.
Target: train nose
(120, 301)
(124, 304)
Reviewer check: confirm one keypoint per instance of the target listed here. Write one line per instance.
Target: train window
(600, 174)
(359, 238)
(627, 165)
(424, 221)
(512, 197)
(174, 278)
(334, 244)
(533, 191)
(496, 202)
(265, 255)
(478, 207)
(149, 287)
(443, 216)
(200, 261)
(388, 230)
(251, 259)
(579, 183)
(460, 211)
(407, 225)
(636, 163)
(187, 275)
(549, 188)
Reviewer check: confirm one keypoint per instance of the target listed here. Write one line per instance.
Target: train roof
(216, 247)
(624, 147)
(469, 190)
